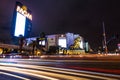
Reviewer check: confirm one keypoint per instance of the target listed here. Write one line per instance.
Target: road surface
(42, 69)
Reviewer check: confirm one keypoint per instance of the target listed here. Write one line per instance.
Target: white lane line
(68, 71)
(8, 74)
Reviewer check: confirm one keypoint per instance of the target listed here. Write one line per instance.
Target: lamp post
(104, 40)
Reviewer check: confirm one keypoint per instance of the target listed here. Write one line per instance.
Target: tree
(53, 49)
(42, 37)
(21, 42)
(33, 44)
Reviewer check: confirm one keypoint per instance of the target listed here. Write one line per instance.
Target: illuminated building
(63, 40)
(69, 41)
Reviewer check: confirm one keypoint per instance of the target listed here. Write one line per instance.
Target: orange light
(24, 12)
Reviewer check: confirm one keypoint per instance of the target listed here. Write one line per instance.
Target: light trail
(25, 71)
(38, 70)
(23, 78)
(47, 61)
(41, 74)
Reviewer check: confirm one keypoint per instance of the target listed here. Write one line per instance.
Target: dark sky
(83, 17)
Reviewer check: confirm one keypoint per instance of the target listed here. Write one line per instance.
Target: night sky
(82, 17)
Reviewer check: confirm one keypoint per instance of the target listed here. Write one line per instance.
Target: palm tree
(42, 37)
(21, 42)
(33, 44)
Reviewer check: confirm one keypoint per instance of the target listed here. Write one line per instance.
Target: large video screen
(20, 25)
(62, 42)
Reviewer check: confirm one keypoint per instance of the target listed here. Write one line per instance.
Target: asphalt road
(42, 69)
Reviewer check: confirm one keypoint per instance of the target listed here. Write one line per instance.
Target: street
(45, 69)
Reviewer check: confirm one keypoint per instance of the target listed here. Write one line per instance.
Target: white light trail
(53, 72)
(23, 78)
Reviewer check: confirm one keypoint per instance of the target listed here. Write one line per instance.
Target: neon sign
(24, 12)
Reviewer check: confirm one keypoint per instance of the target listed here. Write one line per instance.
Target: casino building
(68, 43)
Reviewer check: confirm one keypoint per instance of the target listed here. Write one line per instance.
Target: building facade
(67, 43)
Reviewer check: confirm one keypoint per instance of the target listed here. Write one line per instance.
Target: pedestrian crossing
(50, 73)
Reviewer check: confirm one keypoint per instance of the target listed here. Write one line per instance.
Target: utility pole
(104, 40)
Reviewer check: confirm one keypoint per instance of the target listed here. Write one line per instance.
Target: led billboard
(20, 25)
(62, 42)
(22, 21)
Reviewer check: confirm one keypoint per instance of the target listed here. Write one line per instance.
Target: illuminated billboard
(22, 21)
(62, 42)
(42, 43)
(20, 25)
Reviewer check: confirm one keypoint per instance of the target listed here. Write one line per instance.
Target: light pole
(104, 40)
